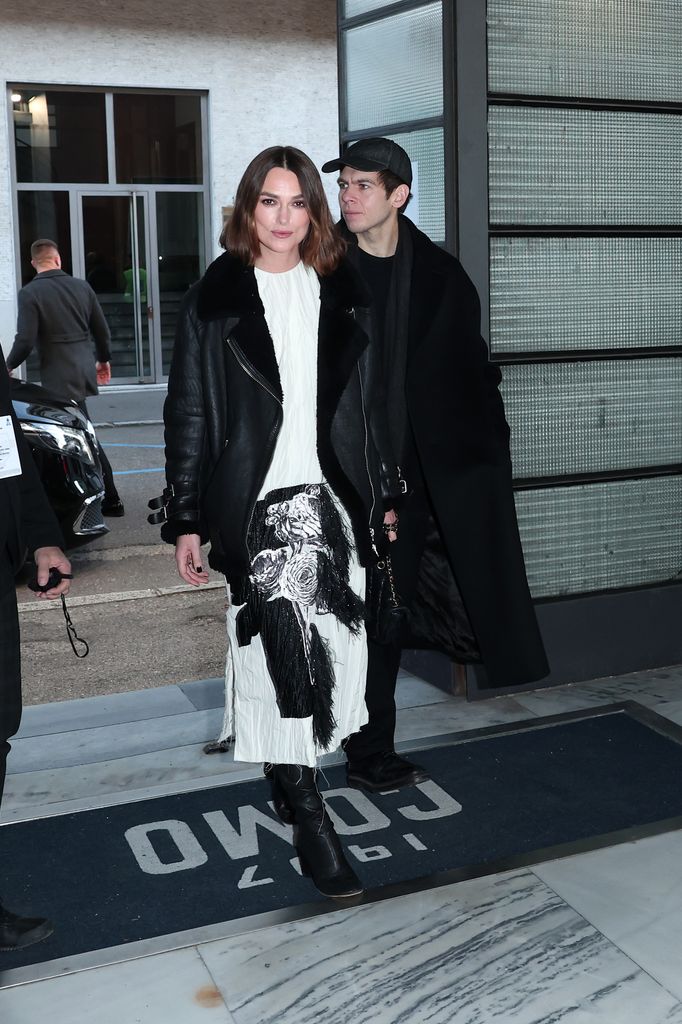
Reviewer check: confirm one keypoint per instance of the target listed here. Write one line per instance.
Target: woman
(276, 453)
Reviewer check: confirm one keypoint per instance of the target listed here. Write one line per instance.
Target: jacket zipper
(259, 380)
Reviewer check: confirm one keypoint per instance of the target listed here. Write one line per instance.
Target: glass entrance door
(115, 252)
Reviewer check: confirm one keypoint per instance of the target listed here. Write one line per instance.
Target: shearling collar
(229, 289)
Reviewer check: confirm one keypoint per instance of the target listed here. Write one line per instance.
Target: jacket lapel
(228, 291)
(425, 298)
(341, 342)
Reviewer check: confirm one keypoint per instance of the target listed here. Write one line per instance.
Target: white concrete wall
(269, 69)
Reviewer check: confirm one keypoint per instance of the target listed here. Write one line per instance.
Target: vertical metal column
(471, 98)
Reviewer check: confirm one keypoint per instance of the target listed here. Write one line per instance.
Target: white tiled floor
(594, 937)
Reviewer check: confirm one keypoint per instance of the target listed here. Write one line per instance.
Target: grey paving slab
(412, 692)
(156, 773)
(112, 709)
(456, 715)
(204, 694)
(110, 742)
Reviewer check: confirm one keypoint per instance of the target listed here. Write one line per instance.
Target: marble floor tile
(502, 949)
(633, 894)
(173, 988)
(671, 709)
(649, 688)
(110, 709)
(457, 715)
(105, 743)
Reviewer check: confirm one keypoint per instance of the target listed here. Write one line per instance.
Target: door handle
(150, 312)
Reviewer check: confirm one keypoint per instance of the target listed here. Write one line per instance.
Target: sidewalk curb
(122, 595)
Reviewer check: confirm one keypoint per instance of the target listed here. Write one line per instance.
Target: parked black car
(63, 443)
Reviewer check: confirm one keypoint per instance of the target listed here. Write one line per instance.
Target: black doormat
(499, 798)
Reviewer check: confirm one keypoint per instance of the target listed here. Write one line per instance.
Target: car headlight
(64, 440)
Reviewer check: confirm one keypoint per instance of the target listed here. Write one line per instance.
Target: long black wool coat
(456, 413)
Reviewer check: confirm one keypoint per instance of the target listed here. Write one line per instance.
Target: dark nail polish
(199, 569)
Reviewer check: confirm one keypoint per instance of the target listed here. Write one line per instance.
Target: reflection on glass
(60, 136)
(623, 51)
(42, 215)
(581, 293)
(179, 223)
(593, 417)
(394, 69)
(601, 536)
(158, 139)
(116, 268)
(353, 7)
(556, 166)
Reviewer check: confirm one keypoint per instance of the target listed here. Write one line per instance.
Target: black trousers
(110, 491)
(383, 659)
(10, 665)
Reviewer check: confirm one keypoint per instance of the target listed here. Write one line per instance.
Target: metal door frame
(78, 258)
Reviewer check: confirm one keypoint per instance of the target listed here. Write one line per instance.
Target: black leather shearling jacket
(224, 411)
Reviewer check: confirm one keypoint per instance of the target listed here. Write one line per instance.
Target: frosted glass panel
(353, 7)
(553, 294)
(584, 167)
(601, 536)
(593, 417)
(425, 150)
(394, 69)
(617, 49)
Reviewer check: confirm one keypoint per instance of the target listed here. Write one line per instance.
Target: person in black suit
(26, 522)
(61, 317)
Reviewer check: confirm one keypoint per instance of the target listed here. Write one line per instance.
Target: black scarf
(394, 340)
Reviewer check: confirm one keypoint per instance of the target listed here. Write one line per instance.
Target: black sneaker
(384, 771)
(113, 508)
(17, 932)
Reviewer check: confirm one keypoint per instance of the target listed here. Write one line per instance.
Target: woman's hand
(188, 559)
(391, 520)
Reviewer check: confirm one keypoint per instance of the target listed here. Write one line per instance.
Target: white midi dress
(253, 712)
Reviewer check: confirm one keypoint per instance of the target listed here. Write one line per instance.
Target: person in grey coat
(61, 317)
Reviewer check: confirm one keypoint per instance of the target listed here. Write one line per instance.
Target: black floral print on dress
(300, 568)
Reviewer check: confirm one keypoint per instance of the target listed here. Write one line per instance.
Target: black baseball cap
(374, 155)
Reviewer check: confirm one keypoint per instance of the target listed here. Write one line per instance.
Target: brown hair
(322, 247)
(40, 247)
(390, 181)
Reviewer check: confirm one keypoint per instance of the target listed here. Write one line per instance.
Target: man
(26, 519)
(457, 562)
(60, 316)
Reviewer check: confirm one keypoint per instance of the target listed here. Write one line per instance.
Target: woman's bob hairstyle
(322, 247)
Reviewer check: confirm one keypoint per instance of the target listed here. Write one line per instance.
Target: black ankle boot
(317, 844)
(282, 807)
(17, 932)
